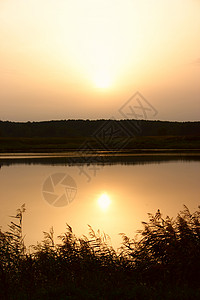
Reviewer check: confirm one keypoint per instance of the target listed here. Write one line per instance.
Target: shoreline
(98, 152)
(109, 155)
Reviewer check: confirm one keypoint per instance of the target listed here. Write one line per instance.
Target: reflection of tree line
(102, 160)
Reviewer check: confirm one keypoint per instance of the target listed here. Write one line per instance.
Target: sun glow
(104, 201)
(102, 81)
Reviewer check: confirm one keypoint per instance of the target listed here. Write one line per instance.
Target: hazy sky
(63, 59)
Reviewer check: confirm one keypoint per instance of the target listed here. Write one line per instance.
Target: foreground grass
(162, 262)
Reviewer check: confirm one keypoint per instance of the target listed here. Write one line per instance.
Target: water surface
(135, 185)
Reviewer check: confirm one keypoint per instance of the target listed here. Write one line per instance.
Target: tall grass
(161, 262)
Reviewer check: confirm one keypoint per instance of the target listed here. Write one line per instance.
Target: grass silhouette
(161, 262)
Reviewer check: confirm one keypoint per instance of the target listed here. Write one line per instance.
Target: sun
(104, 201)
(102, 81)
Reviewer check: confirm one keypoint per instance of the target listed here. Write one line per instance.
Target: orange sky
(84, 59)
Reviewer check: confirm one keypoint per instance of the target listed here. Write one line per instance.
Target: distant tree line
(88, 128)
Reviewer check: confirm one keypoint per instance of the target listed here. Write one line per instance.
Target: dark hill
(88, 128)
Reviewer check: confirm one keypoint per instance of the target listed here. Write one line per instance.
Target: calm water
(58, 190)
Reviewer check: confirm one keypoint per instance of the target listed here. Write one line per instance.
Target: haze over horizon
(85, 59)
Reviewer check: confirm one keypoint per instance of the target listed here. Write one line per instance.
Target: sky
(87, 59)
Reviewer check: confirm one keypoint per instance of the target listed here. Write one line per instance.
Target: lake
(111, 193)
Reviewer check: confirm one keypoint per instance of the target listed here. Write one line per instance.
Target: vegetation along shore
(106, 135)
(161, 262)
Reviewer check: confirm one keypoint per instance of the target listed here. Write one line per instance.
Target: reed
(161, 262)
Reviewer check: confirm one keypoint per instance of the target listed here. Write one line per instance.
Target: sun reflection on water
(104, 201)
